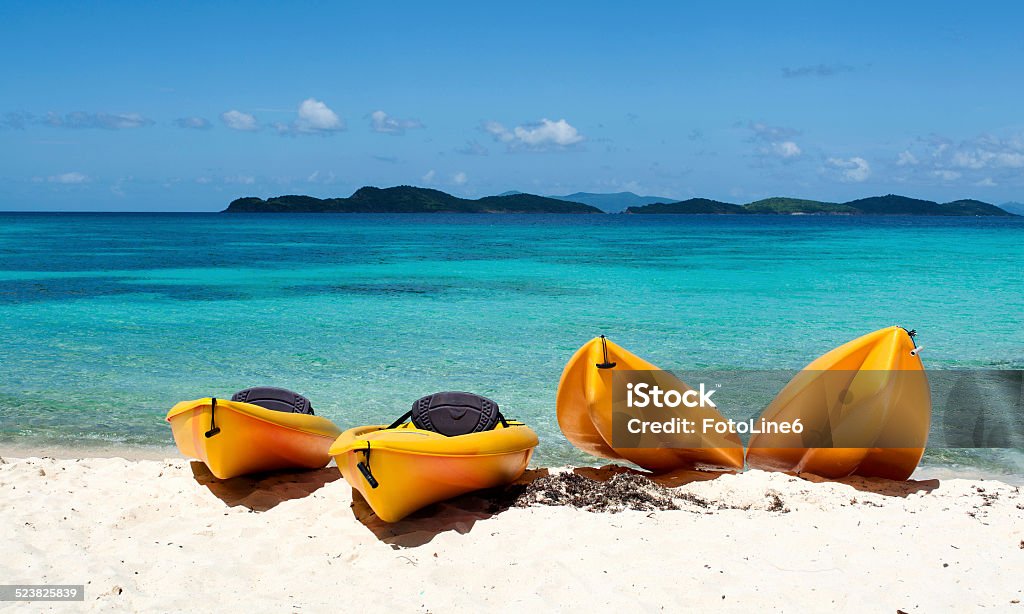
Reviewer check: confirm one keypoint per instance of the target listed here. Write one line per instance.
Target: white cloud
(460, 178)
(987, 182)
(428, 177)
(315, 116)
(786, 149)
(559, 133)
(855, 169)
(770, 134)
(973, 161)
(543, 135)
(69, 178)
(982, 152)
(947, 175)
(906, 159)
(386, 124)
(775, 141)
(498, 131)
(236, 120)
(978, 158)
(204, 180)
(240, 179)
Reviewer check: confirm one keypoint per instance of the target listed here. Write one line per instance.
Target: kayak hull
(250, 439)
(412, 468)
(585, 414)
(884, 369)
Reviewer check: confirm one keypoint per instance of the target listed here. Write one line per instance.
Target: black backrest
(455, 413)
(277, 399)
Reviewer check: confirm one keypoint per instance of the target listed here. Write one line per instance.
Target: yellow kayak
(585, 414)
(400, 470)
(872, 389)
(234, 438)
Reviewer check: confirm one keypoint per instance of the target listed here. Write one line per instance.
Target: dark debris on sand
(620, 492)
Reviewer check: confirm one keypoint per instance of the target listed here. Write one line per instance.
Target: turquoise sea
(106, 320)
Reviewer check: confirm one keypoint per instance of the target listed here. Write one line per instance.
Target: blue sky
(185, 107)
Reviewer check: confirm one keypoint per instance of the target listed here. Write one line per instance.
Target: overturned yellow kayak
(866, 403)
(400, 470)
(235, 438)
(585, 414)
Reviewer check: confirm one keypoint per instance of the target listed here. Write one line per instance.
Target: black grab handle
(606, 364)
(214, 429)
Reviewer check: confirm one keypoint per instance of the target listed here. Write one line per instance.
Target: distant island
(410, 199)
(407, 199)
(890, 204)
(609, 202)
(692, 206)
(1012, 207)
(613, 202)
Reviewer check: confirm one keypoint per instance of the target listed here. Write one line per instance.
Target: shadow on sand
(623, 487)
(878, 486)
(458, 514)
(461, 513)
(265, 491)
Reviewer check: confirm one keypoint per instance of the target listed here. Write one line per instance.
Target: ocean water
(106, 320)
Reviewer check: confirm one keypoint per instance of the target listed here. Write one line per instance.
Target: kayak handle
(364, 467)
(214, 429)
(604, 348)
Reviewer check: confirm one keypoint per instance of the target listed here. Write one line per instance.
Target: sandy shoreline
(71, 452)
(165, 535)
(156, 452)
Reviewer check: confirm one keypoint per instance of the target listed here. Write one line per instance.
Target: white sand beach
(147, 535)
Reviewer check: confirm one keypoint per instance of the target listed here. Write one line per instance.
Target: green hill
(407, 199)
(691, 206)
(969, 206)
(892, 204)
(530, 203)
(784, 205)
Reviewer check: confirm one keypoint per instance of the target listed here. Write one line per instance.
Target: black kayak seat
(455, 413)
(276, 399)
